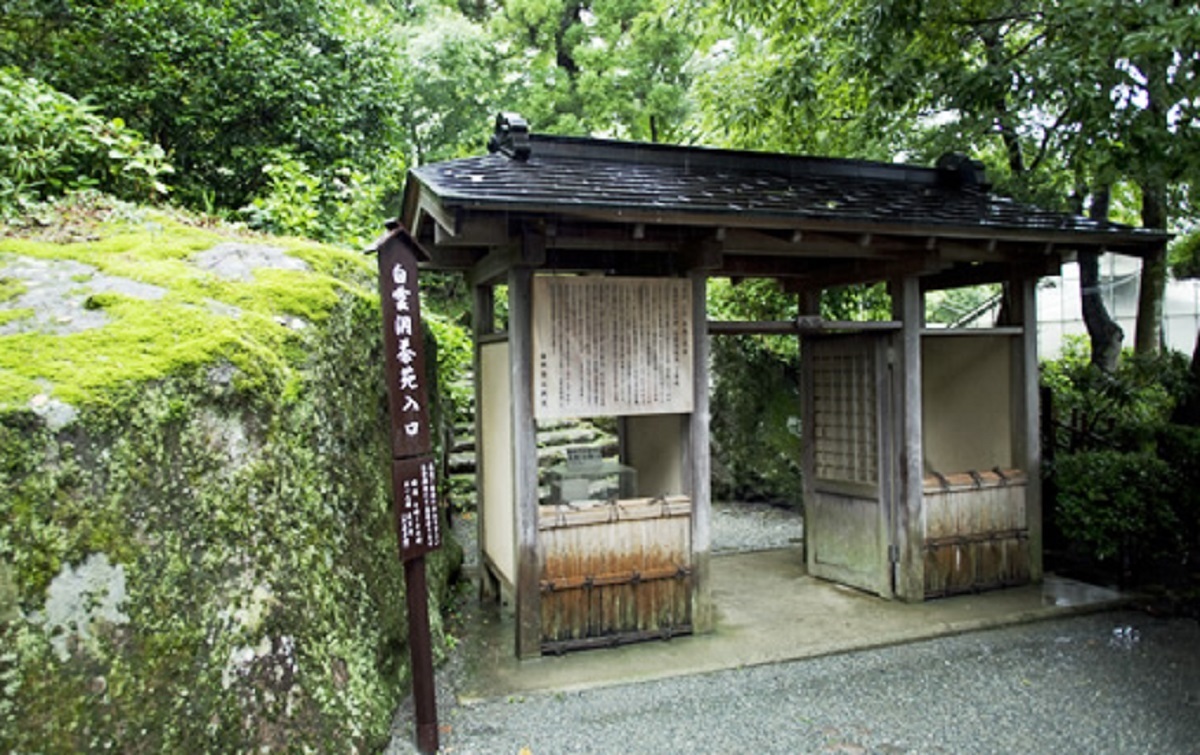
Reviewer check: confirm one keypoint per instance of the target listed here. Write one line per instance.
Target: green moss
(10, 315)
(11, 288)
(192, 325)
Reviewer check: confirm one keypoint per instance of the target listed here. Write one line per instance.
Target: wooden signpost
(414, 480)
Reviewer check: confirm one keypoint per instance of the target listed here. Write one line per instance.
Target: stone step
(569, 436)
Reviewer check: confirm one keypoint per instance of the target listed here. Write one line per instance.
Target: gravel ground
(1109, 683)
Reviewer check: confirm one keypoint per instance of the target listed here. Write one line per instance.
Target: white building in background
(1060, 313)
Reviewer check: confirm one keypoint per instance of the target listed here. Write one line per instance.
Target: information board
(415, 506)
(608, 346)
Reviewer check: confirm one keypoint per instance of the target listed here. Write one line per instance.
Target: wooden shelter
(921, 452)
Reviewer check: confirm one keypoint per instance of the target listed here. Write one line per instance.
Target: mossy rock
(196, 549)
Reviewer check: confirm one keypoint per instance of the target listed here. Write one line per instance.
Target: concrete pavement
(768, 610)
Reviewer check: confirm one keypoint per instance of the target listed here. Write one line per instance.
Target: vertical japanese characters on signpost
(412, 466)
(414, 484)
(611, 346)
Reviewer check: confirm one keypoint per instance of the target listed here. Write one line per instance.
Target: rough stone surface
(58, 292)
(196, 545)
(238, 261)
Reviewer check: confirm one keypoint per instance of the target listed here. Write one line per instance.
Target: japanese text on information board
(612, 346)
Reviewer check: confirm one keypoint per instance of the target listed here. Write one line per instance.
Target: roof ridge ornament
(956, 170)
(511, 137)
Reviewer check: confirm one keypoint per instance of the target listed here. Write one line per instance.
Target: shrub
(52, 144)
(1118, 505)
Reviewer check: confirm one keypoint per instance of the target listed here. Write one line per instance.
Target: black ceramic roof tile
(626, 176)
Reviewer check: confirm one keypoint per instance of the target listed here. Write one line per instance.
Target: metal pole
(420, 646)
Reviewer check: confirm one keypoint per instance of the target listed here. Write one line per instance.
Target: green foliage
(1122, 410)
(451, 87)
(755, 421)
(339, 205)
(1124, 477)
(615, 69)
(757, 299)
(857, 303)
(951, 306)
(1117, 504)
(998, 79)
(223, 86)
(1185, 255)
(52, 144)
(755, 397)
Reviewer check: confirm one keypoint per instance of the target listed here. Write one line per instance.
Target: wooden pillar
(809, 306)
(697, 462)
(1026, 414)
(908, 512)
(483, 323)
(524, 440)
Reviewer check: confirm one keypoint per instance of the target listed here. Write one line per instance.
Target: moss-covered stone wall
(196, 549)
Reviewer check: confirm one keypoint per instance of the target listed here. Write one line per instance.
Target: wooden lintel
(705, 254)
(472, 230)
(989, 272)
(798, 244)
(494, 266)
(621, 263)
(858, 271)
(967, 251)
(533, 247)
(452, 258)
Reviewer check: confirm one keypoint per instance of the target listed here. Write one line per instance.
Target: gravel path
(1111, 683)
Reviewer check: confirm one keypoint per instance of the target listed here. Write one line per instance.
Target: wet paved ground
(1107, 683)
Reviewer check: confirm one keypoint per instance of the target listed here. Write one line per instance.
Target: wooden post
(698, 462)
(525, 494)
(414, 477)
(1027, 441)
(483, 324)
(809, 306)
(909, 511)
(420, 646)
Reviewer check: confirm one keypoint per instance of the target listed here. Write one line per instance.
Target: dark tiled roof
(564, 174)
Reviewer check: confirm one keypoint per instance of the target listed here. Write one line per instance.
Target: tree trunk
(1153, 181)
(1148, 338)
(1106, 336)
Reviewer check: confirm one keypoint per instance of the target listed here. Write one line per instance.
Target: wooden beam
(858, 271)
(800, 326)
(796, 243)
(494, 266)
(988, 272)
(472, 230)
